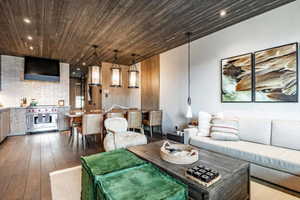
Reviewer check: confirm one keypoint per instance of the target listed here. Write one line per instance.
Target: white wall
(14, 87)
(277, 27)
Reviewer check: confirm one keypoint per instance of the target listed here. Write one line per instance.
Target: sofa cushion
(224, 136)
(255, 130)
(286, 133)
(265, 155)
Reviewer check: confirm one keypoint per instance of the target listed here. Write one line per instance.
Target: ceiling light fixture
(29, 37)
(78, 69)
(31, 47)
(26, 20)
(83, 63)
(95, 76)
(223, 13)
(189, 112)
(133, 74)
(116, 72)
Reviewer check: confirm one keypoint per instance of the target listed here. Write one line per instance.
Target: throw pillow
(225, 125)
(225, 129)
(204, 119)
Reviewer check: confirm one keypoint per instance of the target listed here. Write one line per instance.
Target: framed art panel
(276, 74)
(236, 79)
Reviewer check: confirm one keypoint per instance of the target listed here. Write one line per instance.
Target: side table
(176, 137)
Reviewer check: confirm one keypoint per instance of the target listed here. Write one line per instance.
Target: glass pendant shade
(189, 112)
(133, 78)
(94, 75)
(116, 76)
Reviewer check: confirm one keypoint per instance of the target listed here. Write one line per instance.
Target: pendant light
(116, 72)
(189, 112)
(94, 72)
(133, 74)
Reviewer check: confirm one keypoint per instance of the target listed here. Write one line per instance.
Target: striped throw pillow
(225, 129)
(225, 126)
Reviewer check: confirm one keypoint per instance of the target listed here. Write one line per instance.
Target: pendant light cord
(189, 69)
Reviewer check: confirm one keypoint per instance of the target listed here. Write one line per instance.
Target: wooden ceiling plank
(66, 29)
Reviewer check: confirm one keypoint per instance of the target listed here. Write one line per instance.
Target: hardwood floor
(25, 163)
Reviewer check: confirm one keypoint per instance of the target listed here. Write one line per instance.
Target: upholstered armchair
(119, 137)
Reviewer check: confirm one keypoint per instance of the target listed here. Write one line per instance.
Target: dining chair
(154, 119)
(92, 125)
(75, 124)
(114, 114)
(134, 118)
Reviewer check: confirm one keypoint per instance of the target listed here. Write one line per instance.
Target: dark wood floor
(25, 163)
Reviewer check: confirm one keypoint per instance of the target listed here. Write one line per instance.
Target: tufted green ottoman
(103, 163)
(144, 182)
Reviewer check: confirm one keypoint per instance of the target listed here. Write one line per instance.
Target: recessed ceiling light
(223, 13)
(83, 63)
(78, 69)
(27, 21)
(29, 37)
(31, 47)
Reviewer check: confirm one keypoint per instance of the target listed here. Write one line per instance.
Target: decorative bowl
(178, 153)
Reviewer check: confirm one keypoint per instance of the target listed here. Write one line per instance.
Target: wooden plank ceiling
(66, 29)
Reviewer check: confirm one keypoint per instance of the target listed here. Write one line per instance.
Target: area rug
(66, 185)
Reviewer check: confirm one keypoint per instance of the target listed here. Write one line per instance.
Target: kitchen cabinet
(4, 124)
(17, 121)
(63, 120)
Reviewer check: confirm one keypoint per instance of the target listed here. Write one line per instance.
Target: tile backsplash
(14, 87)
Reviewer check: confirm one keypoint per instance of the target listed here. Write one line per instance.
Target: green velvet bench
(120, 175)
(99, 164)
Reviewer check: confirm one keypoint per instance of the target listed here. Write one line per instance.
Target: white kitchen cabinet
(17, 121)
(4, 124)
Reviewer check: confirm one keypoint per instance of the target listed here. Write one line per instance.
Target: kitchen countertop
(7, 108)
(4, 108)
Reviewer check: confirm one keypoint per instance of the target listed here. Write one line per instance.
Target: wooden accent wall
(150, 82)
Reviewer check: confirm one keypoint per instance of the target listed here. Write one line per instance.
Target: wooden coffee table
(233, 185)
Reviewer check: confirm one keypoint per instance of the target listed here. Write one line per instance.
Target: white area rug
(66, 185)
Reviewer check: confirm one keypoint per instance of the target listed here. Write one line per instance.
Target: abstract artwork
(236, 78)
(276, 77)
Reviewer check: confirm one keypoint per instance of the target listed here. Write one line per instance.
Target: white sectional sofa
(271, 146)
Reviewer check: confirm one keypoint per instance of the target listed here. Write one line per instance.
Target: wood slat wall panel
(65, 30)
(150, 83)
